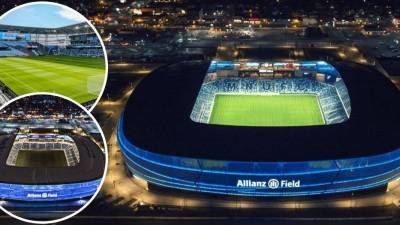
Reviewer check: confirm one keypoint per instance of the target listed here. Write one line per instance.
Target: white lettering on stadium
(42, 195)
(272, 184)
(250, 183)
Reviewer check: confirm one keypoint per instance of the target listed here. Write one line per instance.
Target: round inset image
(52, 160)
(49, 47)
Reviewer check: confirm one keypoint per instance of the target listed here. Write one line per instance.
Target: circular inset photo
(53, 157)
(49, 47)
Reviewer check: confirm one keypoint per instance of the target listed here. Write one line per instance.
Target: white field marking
(45, 75)
(40, 72)
(262, 94)
(57, 66)
(11, 76)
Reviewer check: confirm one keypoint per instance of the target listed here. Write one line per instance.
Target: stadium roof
(157, 119)
(71, 29)
(90, 167)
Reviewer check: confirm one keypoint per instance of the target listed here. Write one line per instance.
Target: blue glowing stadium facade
(52, 192)
(258, 178)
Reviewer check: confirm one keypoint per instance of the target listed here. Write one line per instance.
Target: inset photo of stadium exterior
(52, 159)
(47, 47)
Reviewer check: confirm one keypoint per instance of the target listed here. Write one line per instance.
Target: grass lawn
(28, 158)
(80, 78)
(266, 110)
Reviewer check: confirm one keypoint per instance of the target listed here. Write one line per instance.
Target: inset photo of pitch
(48, 47)
(52, 158)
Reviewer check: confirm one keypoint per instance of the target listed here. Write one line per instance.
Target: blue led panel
(58, 192)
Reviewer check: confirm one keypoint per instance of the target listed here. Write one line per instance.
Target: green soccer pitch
(27, 158)
(266, 110)
(80, 78)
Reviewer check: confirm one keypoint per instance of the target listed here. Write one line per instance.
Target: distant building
(396, 22)
(373, 30)
(310, 21)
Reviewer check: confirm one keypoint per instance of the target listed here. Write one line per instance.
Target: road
(100, 220)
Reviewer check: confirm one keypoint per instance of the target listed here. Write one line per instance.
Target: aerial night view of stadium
(67, 60)
(213, 112)
(52, 158)
(211, 134)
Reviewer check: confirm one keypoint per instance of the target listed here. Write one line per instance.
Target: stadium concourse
(167, 140)
(32, 59)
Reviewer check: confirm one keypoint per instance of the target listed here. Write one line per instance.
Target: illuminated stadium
(263, 128)
(47, 167)
(32, 59)
(52, 156)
